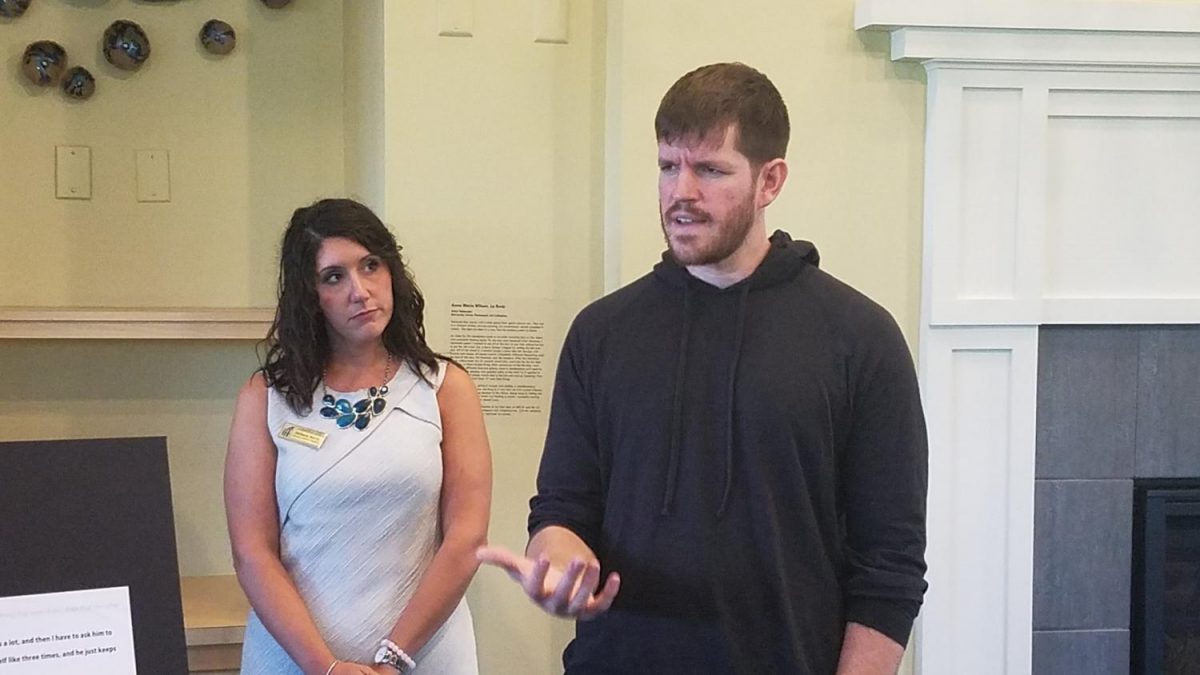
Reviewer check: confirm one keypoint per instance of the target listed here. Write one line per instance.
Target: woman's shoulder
(257, 394)
(456, 385)
(254, 389)
(252, 401)
(452, 374)
(257, 382)
(437, 375)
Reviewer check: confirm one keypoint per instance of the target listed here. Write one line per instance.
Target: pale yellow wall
(251, 135)
(857, 132)
(508, 170)
(492, 161)
(110, 388)
(363, 84)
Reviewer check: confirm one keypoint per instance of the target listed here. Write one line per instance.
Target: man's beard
(729, 235)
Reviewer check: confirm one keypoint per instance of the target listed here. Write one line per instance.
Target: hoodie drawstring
(677, 406)
(733, 366)
(676, 428)
(785, 260)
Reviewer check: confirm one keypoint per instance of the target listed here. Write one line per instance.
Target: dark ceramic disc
(79, 83)
(126, 45)
(13, 8)
(44, 62)
(218, 37)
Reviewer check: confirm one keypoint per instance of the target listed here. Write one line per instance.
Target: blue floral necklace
(360, 413)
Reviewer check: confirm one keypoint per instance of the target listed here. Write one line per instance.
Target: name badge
(304, 436)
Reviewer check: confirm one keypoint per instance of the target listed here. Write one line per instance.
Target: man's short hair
(712, 97)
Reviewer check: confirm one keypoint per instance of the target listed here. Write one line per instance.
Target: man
(736, 439)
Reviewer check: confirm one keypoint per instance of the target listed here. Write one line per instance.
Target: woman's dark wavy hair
(297, 346)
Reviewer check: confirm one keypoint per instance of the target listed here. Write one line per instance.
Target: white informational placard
(502, 344)
(72, 632)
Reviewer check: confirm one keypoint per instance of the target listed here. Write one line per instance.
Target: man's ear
(771, 177)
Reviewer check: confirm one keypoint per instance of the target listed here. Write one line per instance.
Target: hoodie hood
(785, 259)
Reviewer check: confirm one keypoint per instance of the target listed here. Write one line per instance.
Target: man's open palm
(572, 592)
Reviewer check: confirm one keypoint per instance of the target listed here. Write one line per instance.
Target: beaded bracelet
(391, 654)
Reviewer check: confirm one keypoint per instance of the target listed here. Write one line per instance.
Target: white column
(979, 393)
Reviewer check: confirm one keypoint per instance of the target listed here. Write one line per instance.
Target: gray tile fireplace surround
(1115, 403)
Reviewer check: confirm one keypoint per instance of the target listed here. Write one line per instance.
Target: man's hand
(866, 651)
(567, 593)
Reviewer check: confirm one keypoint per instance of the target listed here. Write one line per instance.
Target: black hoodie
(751, 460)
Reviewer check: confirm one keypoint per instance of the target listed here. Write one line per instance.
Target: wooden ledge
(214, 610)
(126, 323)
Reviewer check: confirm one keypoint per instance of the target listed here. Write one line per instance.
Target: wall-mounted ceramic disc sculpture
(79, 83)
(217, 36)
(13, 8)
(126, 45)
(44, 62)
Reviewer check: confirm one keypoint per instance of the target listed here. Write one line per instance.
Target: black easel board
(86, 514)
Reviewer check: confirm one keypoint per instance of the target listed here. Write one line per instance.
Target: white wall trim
(1123, 17)
(979, 392)
(1062, 153)
(1046, 47)
(1048, 100)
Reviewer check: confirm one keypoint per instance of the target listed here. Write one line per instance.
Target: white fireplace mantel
(1062, 185)
(1132, 16)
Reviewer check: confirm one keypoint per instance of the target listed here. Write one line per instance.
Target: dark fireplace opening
(1166, 578)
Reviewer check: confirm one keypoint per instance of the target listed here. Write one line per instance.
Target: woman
(358, 475)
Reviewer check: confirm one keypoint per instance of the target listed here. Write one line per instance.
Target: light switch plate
(153, 176)
(550, 21)
(456, 18)
(73, 172)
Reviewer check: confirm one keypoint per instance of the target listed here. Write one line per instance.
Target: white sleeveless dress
(359, 525)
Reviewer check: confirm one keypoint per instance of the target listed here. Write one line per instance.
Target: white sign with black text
(71, 632)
